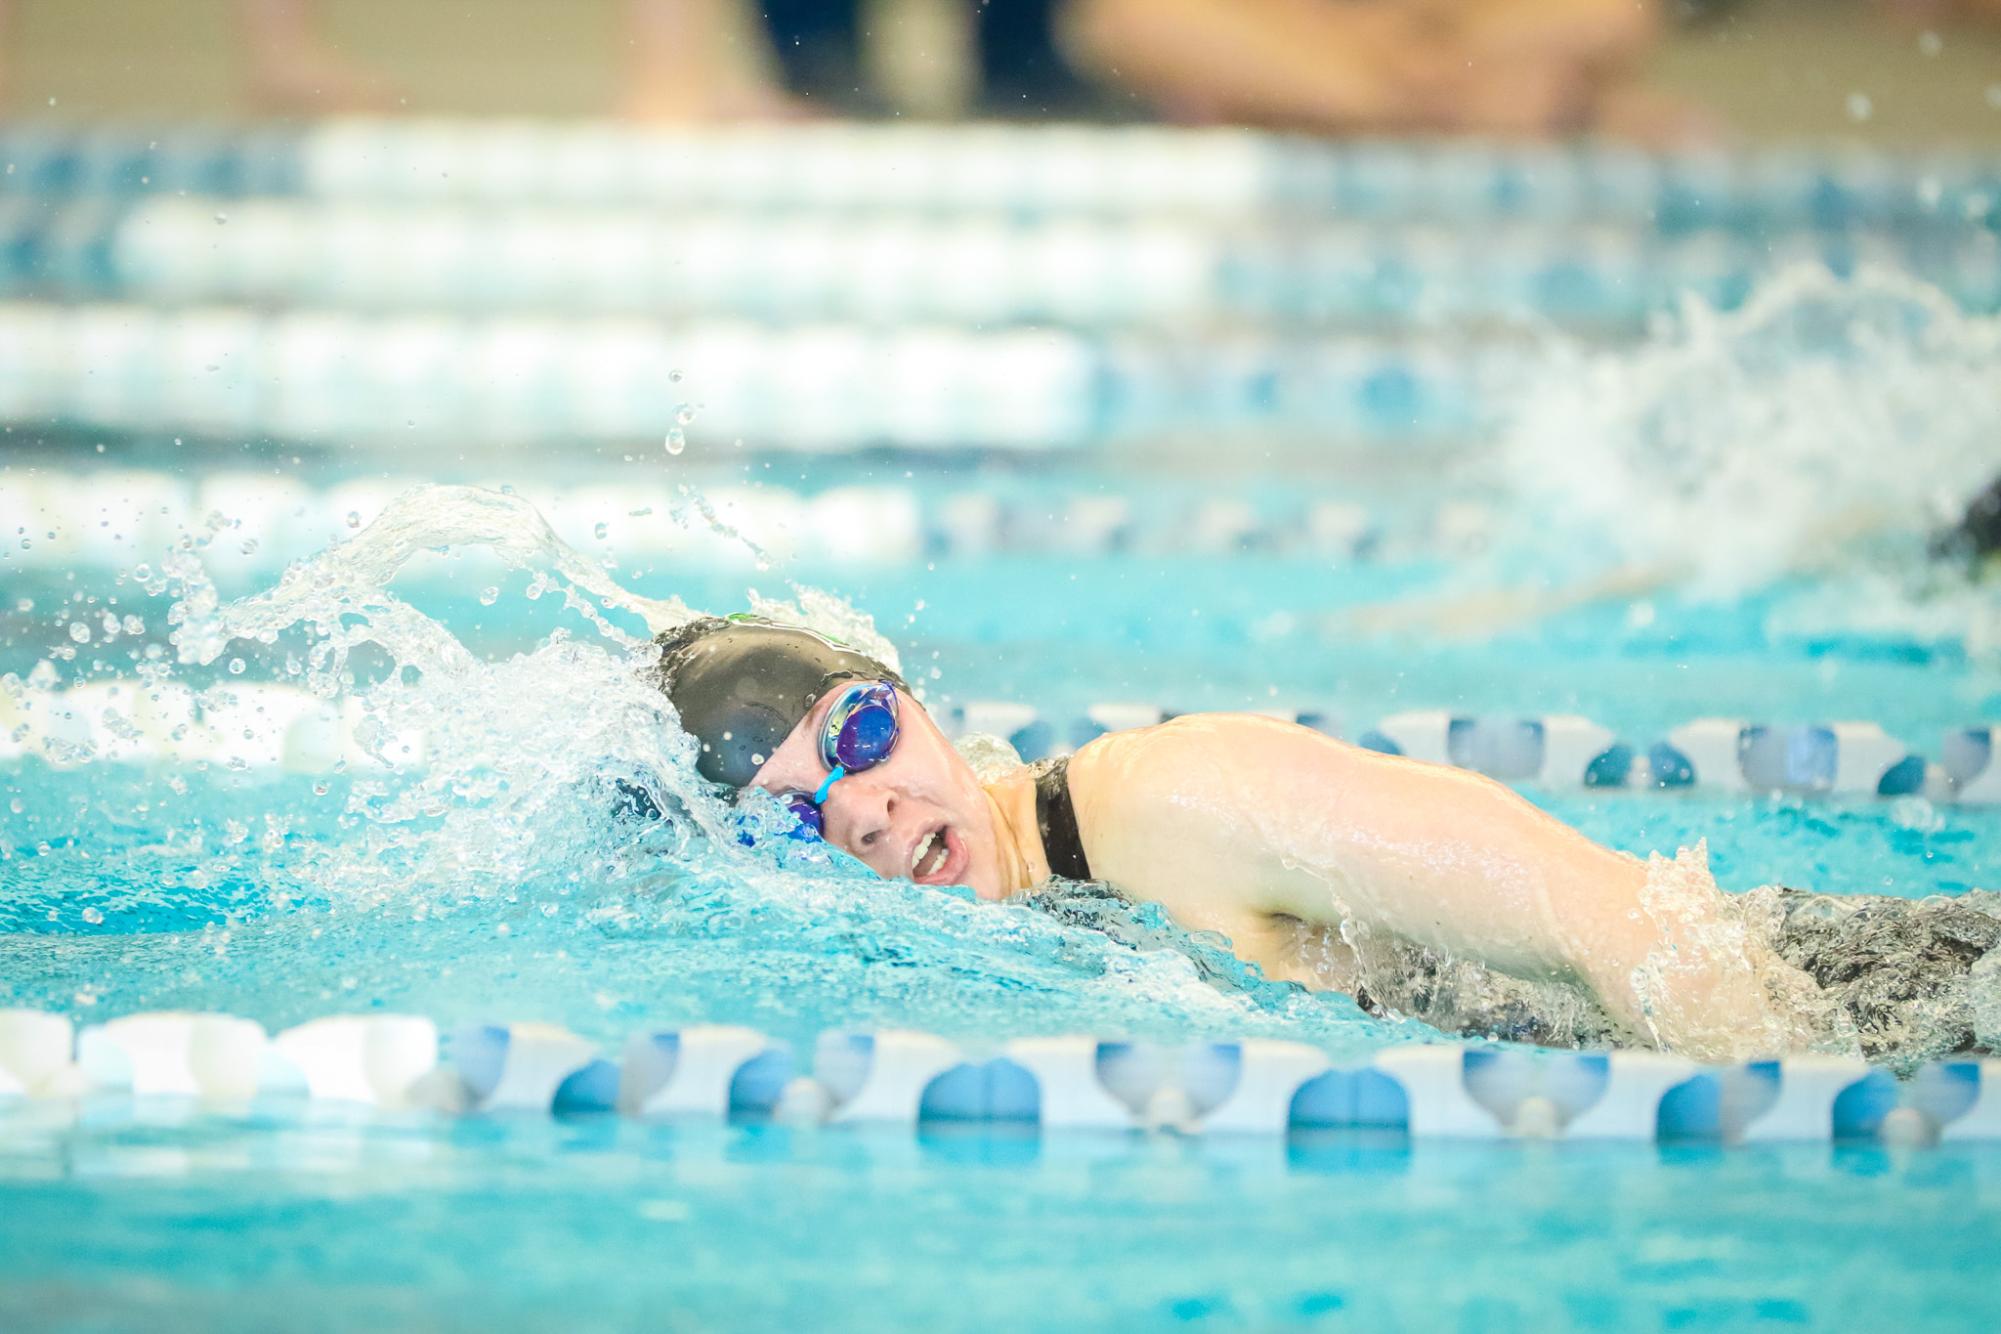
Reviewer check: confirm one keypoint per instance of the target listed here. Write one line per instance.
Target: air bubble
(354, 518)
(79, 632)
(603, 531)
(489, 595)
(93, 916)
(236, 666)
(677, 440)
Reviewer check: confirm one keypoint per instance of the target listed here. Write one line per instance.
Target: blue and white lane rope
(271, 726)
(1030, 170)
(1058, 1083)
(349, 378)
(884, 269)
(116, 518)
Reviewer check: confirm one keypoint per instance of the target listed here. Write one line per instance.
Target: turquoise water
(229, 911)
(495, 885)
(268, 1219)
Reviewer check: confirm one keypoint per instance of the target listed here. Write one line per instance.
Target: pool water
(1729, 519)
(268, 1218)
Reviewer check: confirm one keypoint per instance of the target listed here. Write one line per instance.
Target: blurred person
(1329, 865)
(1510, 67)
(293, 67)
(682, 65)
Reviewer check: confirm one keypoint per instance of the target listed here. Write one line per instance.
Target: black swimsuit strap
(1057, 820)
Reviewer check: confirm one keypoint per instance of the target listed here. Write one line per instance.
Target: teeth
(931, 849)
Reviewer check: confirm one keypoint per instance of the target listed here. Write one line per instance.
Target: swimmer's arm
(1490, 611)
(1250, 816)
(1486, 612)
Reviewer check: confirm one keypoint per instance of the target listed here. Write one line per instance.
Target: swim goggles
(859, 733)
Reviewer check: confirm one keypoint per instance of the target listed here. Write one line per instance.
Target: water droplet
(488, 596)
(1930, 43)
(1860, 107)
(17, 805)
(354, 518)
(79, 632)
(685, 413)
(236, 666)
(677, 440)
(93, 916)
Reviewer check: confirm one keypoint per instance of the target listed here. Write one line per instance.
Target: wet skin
(919, 815)
(1286, 840)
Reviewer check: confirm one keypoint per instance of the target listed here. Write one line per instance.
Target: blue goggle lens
(812, 824)
(861, 728)
(860, 733)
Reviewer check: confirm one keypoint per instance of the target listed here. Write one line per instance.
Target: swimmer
(1971, 544)
(1319, 860)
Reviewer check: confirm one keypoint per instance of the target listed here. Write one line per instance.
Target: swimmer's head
(756, 695)
(1976, 538)
(741, 684)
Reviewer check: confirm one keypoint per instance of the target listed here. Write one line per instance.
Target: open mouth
(939, 857)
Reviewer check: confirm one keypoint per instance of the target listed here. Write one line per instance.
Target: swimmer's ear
(989, 757)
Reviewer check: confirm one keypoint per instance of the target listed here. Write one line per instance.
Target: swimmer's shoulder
(1178, 812)
(1192, 736)
(1185, 754)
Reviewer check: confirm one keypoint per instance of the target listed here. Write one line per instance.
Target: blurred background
(1225, 315)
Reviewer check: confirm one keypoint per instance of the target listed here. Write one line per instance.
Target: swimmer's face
(919, 815)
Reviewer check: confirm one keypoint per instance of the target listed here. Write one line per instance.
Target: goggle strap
(820, 797)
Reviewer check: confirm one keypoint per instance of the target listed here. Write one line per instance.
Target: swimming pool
(192, 830)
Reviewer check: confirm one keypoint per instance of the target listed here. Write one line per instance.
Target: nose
(860, 813)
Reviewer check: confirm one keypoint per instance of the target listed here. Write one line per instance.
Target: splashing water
(1736, 447)
(494, 878)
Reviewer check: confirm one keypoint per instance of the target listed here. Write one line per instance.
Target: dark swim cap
(742, 684)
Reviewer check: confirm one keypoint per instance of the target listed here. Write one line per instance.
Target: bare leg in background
(682, 68)
(293, 68)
